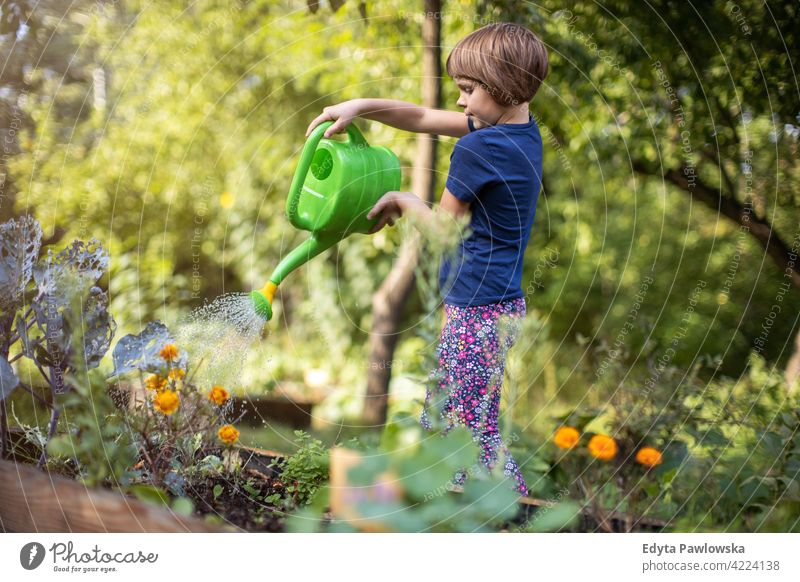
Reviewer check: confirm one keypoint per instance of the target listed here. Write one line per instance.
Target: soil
(238, 506)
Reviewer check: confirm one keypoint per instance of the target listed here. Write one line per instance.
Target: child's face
(477, 103)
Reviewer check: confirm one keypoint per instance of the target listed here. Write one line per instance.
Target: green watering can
(334, 187)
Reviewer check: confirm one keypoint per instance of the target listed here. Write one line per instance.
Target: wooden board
(34, 501)
(295, 413)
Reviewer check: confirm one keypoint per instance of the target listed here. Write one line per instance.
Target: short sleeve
(470, 169)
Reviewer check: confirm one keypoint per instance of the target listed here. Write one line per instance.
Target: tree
(388, 304)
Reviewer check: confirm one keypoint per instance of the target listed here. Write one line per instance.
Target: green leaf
(251, 490)
(369, 467)
(423, 480)
(20, 241)
(61, 446)
(305, 520)
(668, 476)
(8, 379)
(151, 494)
(217, 490)
(141, 352)
(536, 465)
(491, 499)
(651, 489)
(714, 437)
(183, 506)
(558, 517)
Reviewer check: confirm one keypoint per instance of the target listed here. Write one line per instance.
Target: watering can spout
(317, 243)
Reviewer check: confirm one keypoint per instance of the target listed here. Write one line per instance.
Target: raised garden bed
(32, 500)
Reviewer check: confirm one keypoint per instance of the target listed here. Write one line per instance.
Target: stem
(50, 432)
(15, 336)
(3, 429)
(30, 391)
(597, 511)
(43, 373)
(196, 368)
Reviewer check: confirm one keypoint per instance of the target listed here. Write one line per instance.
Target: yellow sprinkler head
(262, 300)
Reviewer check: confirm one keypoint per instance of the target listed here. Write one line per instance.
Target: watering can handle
(355, 137)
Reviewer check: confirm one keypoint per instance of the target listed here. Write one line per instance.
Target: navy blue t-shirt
(498, 169)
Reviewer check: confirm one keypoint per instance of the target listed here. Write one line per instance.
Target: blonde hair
(507, 59)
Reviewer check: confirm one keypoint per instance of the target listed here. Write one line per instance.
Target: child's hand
(390, 206)
(341, 114)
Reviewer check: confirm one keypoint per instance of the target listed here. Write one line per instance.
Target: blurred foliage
(406, 485)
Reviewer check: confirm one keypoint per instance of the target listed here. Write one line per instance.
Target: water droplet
(217, 337)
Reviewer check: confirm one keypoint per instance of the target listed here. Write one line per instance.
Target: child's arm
(395, 204)
(399, 114)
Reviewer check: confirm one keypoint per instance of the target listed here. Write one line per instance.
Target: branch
(41, 400)
(742, 215)
(717, 161)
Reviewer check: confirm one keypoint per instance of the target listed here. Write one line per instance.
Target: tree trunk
(389, 302)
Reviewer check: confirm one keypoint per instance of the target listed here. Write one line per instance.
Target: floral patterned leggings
(472, 355)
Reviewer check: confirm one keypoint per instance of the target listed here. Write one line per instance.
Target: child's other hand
(390, 206)
(341, 114)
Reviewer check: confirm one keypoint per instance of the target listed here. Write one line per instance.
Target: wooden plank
(260, 460)
(295, 413)
(34, 501)
(263, 452)
(344, 496)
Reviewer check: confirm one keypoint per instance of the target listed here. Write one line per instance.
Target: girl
(495, 175)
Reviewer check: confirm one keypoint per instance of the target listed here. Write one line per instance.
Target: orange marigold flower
(228, 434)
(169, 352)
(603, 447)
(167, 401)
(218, 395)
(648, 456)
(176, 374)
(155, 382)
(566, 437)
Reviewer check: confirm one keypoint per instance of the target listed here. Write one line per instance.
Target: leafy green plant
(304, 472)
(753, 483)
(97, 436)
(171, 417)
(624, 456)
(53, 314)
(405, 485)
(718, 454)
